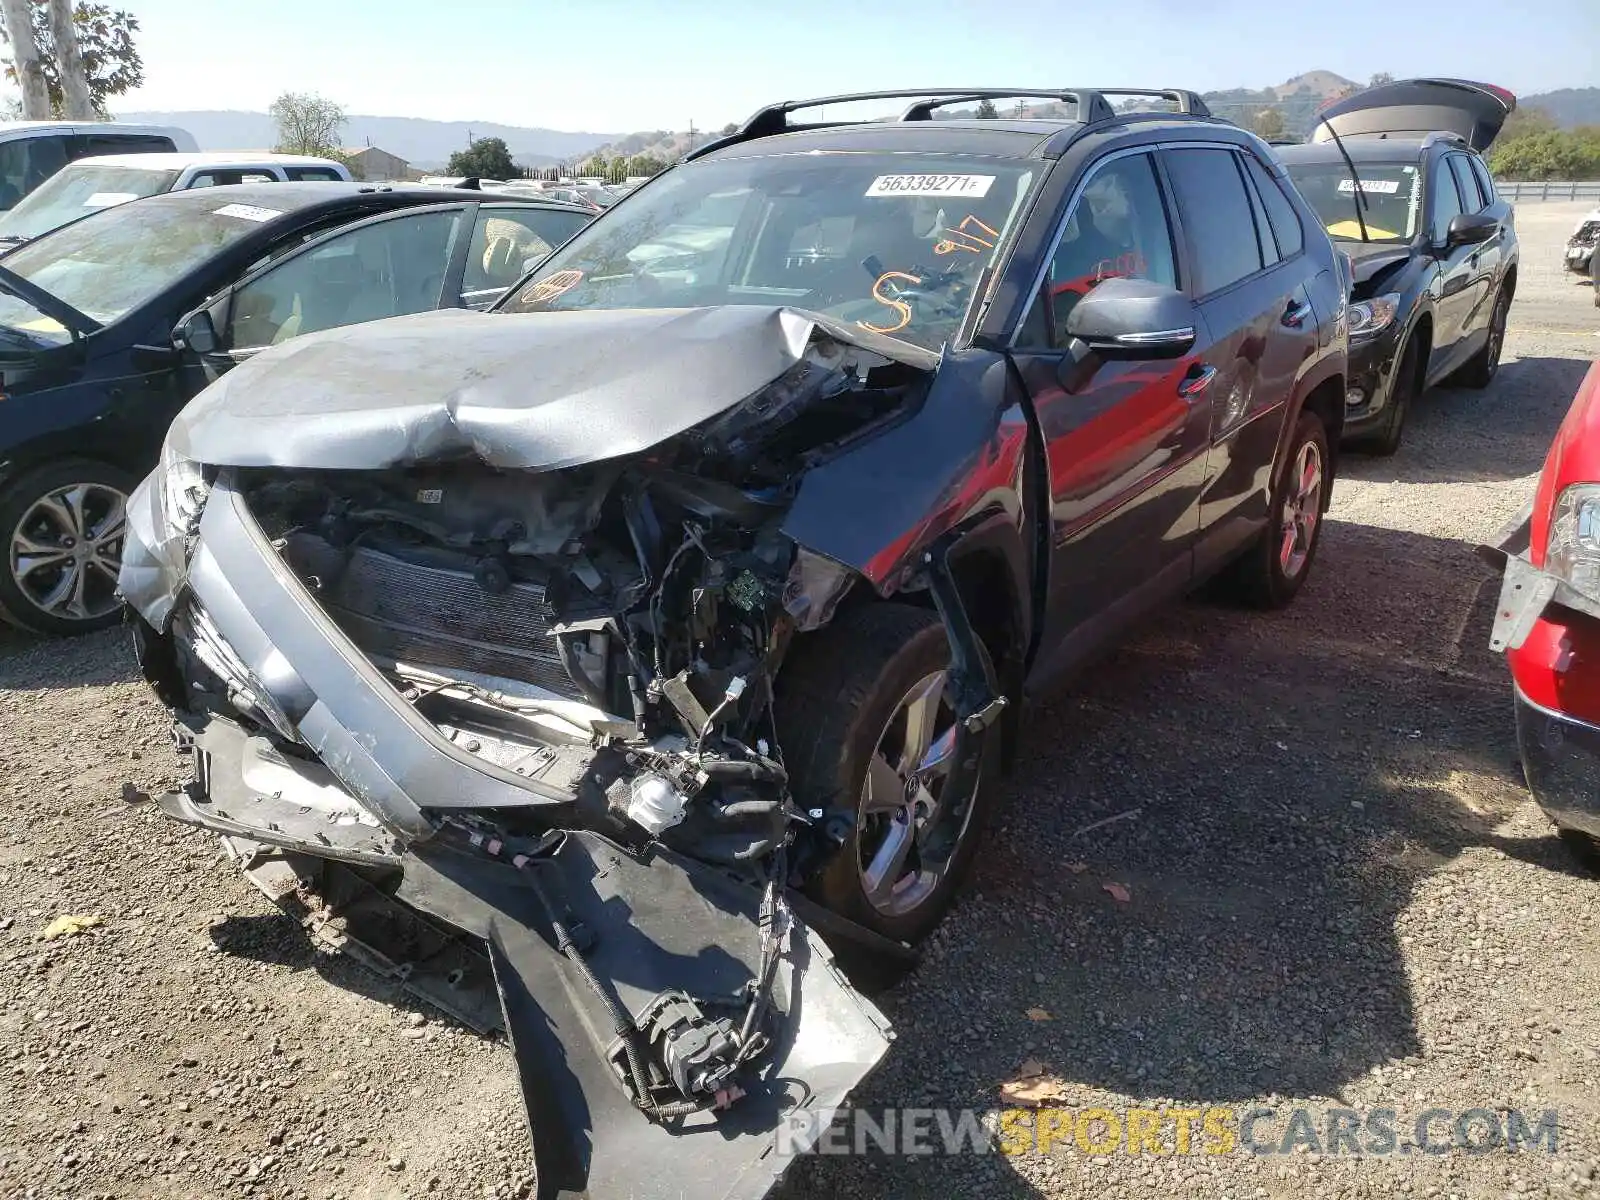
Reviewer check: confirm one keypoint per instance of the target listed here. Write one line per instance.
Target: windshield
(1393, 199)
(115, 260)
(894, 244)
(77, 191)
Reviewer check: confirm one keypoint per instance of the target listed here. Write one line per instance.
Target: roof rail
(1090, 106)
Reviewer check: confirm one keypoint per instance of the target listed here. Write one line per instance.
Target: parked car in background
(1434, 246)
(1579, 254)
(99, 347)
(1548, 625)
(32, 151)
(696, 594)
(106, 180)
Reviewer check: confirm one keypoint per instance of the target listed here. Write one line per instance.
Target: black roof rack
(1089, 104)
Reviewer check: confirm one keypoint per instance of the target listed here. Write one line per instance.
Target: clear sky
(619, 65)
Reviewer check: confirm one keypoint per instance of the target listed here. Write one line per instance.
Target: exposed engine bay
(601, 642)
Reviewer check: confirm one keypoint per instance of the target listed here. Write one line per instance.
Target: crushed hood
(1369, 259)
(517, 391)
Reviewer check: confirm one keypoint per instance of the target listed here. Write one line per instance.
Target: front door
(1453, 286)
(1126, 441)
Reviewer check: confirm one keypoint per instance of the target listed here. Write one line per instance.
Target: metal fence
(1552, 189)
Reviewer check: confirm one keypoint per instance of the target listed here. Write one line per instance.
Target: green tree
(986, 110)
(730, 128)
(486, 158)
(1268, 123)
(1526, 119)
(1381, 78)
(307, 123)
(111, 62)
(645, 164)
(1553, 154)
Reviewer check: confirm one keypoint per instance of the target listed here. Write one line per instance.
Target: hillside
(421, 142)
(1570, 107)
(1298, 98)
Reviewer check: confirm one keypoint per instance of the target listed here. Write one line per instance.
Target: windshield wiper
(80, 324)
(1358, 192)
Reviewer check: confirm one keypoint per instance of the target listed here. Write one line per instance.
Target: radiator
(442, 618)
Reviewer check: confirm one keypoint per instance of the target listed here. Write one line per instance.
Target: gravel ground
(1338, 894)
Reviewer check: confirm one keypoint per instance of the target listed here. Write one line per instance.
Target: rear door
(1254, 301)
(26, 162)
(1417, 107)
(1126, 444)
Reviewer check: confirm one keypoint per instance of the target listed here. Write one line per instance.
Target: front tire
(867, 728)
(1485, 364)
(1271, 572)
(62, 527)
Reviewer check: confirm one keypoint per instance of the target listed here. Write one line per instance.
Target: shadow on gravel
(1502, 432)
(29, 663)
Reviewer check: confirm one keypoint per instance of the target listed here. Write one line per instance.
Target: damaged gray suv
(634, 647)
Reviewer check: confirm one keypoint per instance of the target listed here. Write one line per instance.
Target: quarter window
(1217, 220)
(1118, 227)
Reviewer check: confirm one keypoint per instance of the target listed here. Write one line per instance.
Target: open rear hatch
(1417, 107)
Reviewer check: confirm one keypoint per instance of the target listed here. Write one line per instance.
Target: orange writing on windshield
(895, 302)
(548, 289)
(962, 237)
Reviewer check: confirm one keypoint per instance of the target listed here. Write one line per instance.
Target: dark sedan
(1433, 245)
(99, 347)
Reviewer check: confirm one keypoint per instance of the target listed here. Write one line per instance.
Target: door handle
(1196, 381)
(1294, 316)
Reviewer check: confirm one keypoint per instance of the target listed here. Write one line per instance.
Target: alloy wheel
(904, 797)
(1302, 509)
(66, 551)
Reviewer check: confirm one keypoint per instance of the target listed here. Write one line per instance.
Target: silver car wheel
(67, 549)
(1302, 509)
(904, 795)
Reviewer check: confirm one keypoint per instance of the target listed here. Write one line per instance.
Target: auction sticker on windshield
(1380, 187)
(931, 185)
(109, 199)
(247, 212)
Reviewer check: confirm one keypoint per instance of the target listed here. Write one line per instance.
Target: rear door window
(317, 174)
(507, 243)
(86, 145)
(1281, 214)
(1485, 181)
(1472, 196)
(1217, 219)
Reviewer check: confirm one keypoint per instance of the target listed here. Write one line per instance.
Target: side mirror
(197, 332)
(1134, 319)
(1469, 229)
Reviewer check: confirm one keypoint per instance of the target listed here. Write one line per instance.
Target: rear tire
(1485, 364)
(840, 700)
(1270, 573)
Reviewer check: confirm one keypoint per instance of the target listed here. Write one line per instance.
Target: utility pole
(691, 133)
